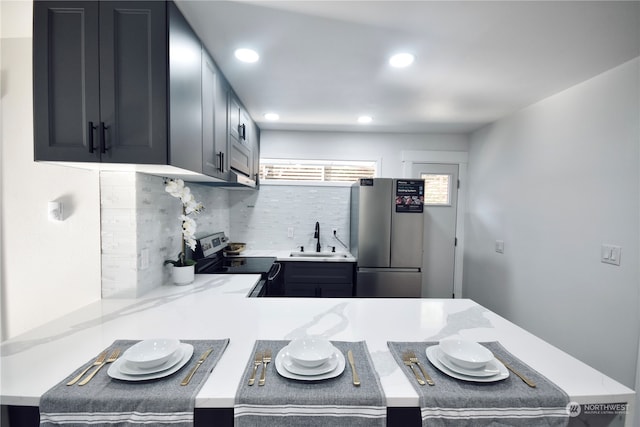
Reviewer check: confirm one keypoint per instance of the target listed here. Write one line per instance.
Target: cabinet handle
(90, 129)
(272, 276)
(221, 161)
(103, 144)
(243, 131)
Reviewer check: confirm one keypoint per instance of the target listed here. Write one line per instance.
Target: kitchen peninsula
(217, 307)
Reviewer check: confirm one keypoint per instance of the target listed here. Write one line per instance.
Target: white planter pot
(183, 275)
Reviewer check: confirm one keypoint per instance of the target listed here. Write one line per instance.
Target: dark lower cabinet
(100, 81)
(28, 416)
(318, 279)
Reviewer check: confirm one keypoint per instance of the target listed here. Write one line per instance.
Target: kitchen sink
(318, 255)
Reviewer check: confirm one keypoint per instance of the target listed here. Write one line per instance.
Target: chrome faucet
(316, 235)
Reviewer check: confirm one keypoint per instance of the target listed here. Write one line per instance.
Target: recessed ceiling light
(271, 116)
(401, 60)
(247, 55)
(365, 119)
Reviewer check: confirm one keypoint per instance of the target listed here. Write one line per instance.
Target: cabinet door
(214, 141)
(133, 81)
(255, 151)
(65, 80)
(336, 290)
(185, 93)
(292, 289)
(240, 157)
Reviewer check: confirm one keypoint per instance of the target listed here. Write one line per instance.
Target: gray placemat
(453, 402)
(105, 401)
(283, 402)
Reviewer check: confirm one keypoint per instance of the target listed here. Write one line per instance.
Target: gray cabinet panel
(211, 159)
(66, 83)
(100, 63)
(185, 93)
(133, 57)
(318, 279)
(240, 157)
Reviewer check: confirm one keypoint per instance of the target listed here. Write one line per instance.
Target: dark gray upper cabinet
(185, 93)
(240, 128)
(255, 151)
(100, 81)
(214, 119)
(131, 82)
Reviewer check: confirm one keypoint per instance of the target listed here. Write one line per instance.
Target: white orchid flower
(177, 189)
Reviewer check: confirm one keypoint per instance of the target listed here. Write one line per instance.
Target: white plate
(151, 353)
(310, 352)
(114, 369)
(433, 354)
(491, 368)
(465, 353)
(127, 368)
(287, 374)
(295, 368)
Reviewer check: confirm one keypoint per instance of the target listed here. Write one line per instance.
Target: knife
(200, 361)
(526, 380)
(356, 378)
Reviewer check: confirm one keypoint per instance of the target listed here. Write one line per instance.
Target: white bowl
(467, 354)
(310, 352)
(150, 353)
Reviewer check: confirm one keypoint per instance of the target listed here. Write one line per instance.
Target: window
(315, 170)
(437, 189)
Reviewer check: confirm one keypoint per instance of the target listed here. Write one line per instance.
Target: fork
(407, 362)
(99, 360)
(256, 364)
(414, 359)
(266, 358)
(112, 358)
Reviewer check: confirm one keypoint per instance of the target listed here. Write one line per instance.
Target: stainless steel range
(211, 259)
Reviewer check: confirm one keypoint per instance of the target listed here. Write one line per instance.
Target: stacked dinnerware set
(310, 359)
(151, 359)
(466, 360)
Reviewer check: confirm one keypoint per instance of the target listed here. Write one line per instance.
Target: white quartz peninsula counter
(216, 306)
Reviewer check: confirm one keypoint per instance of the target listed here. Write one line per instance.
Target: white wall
(555, 181)
(383, 147)
(48, 269)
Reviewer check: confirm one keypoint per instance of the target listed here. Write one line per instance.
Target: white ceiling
(324, 63)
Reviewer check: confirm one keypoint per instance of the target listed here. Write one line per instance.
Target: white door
(440, 216)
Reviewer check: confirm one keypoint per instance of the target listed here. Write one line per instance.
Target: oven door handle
(272, 275)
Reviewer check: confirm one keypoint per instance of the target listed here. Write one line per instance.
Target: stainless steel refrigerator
(387, 227)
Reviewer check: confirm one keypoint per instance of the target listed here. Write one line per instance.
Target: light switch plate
(610, 254)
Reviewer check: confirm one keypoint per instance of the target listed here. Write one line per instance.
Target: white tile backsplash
(262, 218)
(137, 214)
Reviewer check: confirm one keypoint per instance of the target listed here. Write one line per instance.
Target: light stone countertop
(216, 306)
(307, 256)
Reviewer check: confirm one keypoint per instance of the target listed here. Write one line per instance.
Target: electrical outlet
(290, 232)
(500, 246)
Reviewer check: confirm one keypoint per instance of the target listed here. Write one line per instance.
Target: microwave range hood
(234, 181)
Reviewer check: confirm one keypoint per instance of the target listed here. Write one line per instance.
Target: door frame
(460, 158)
